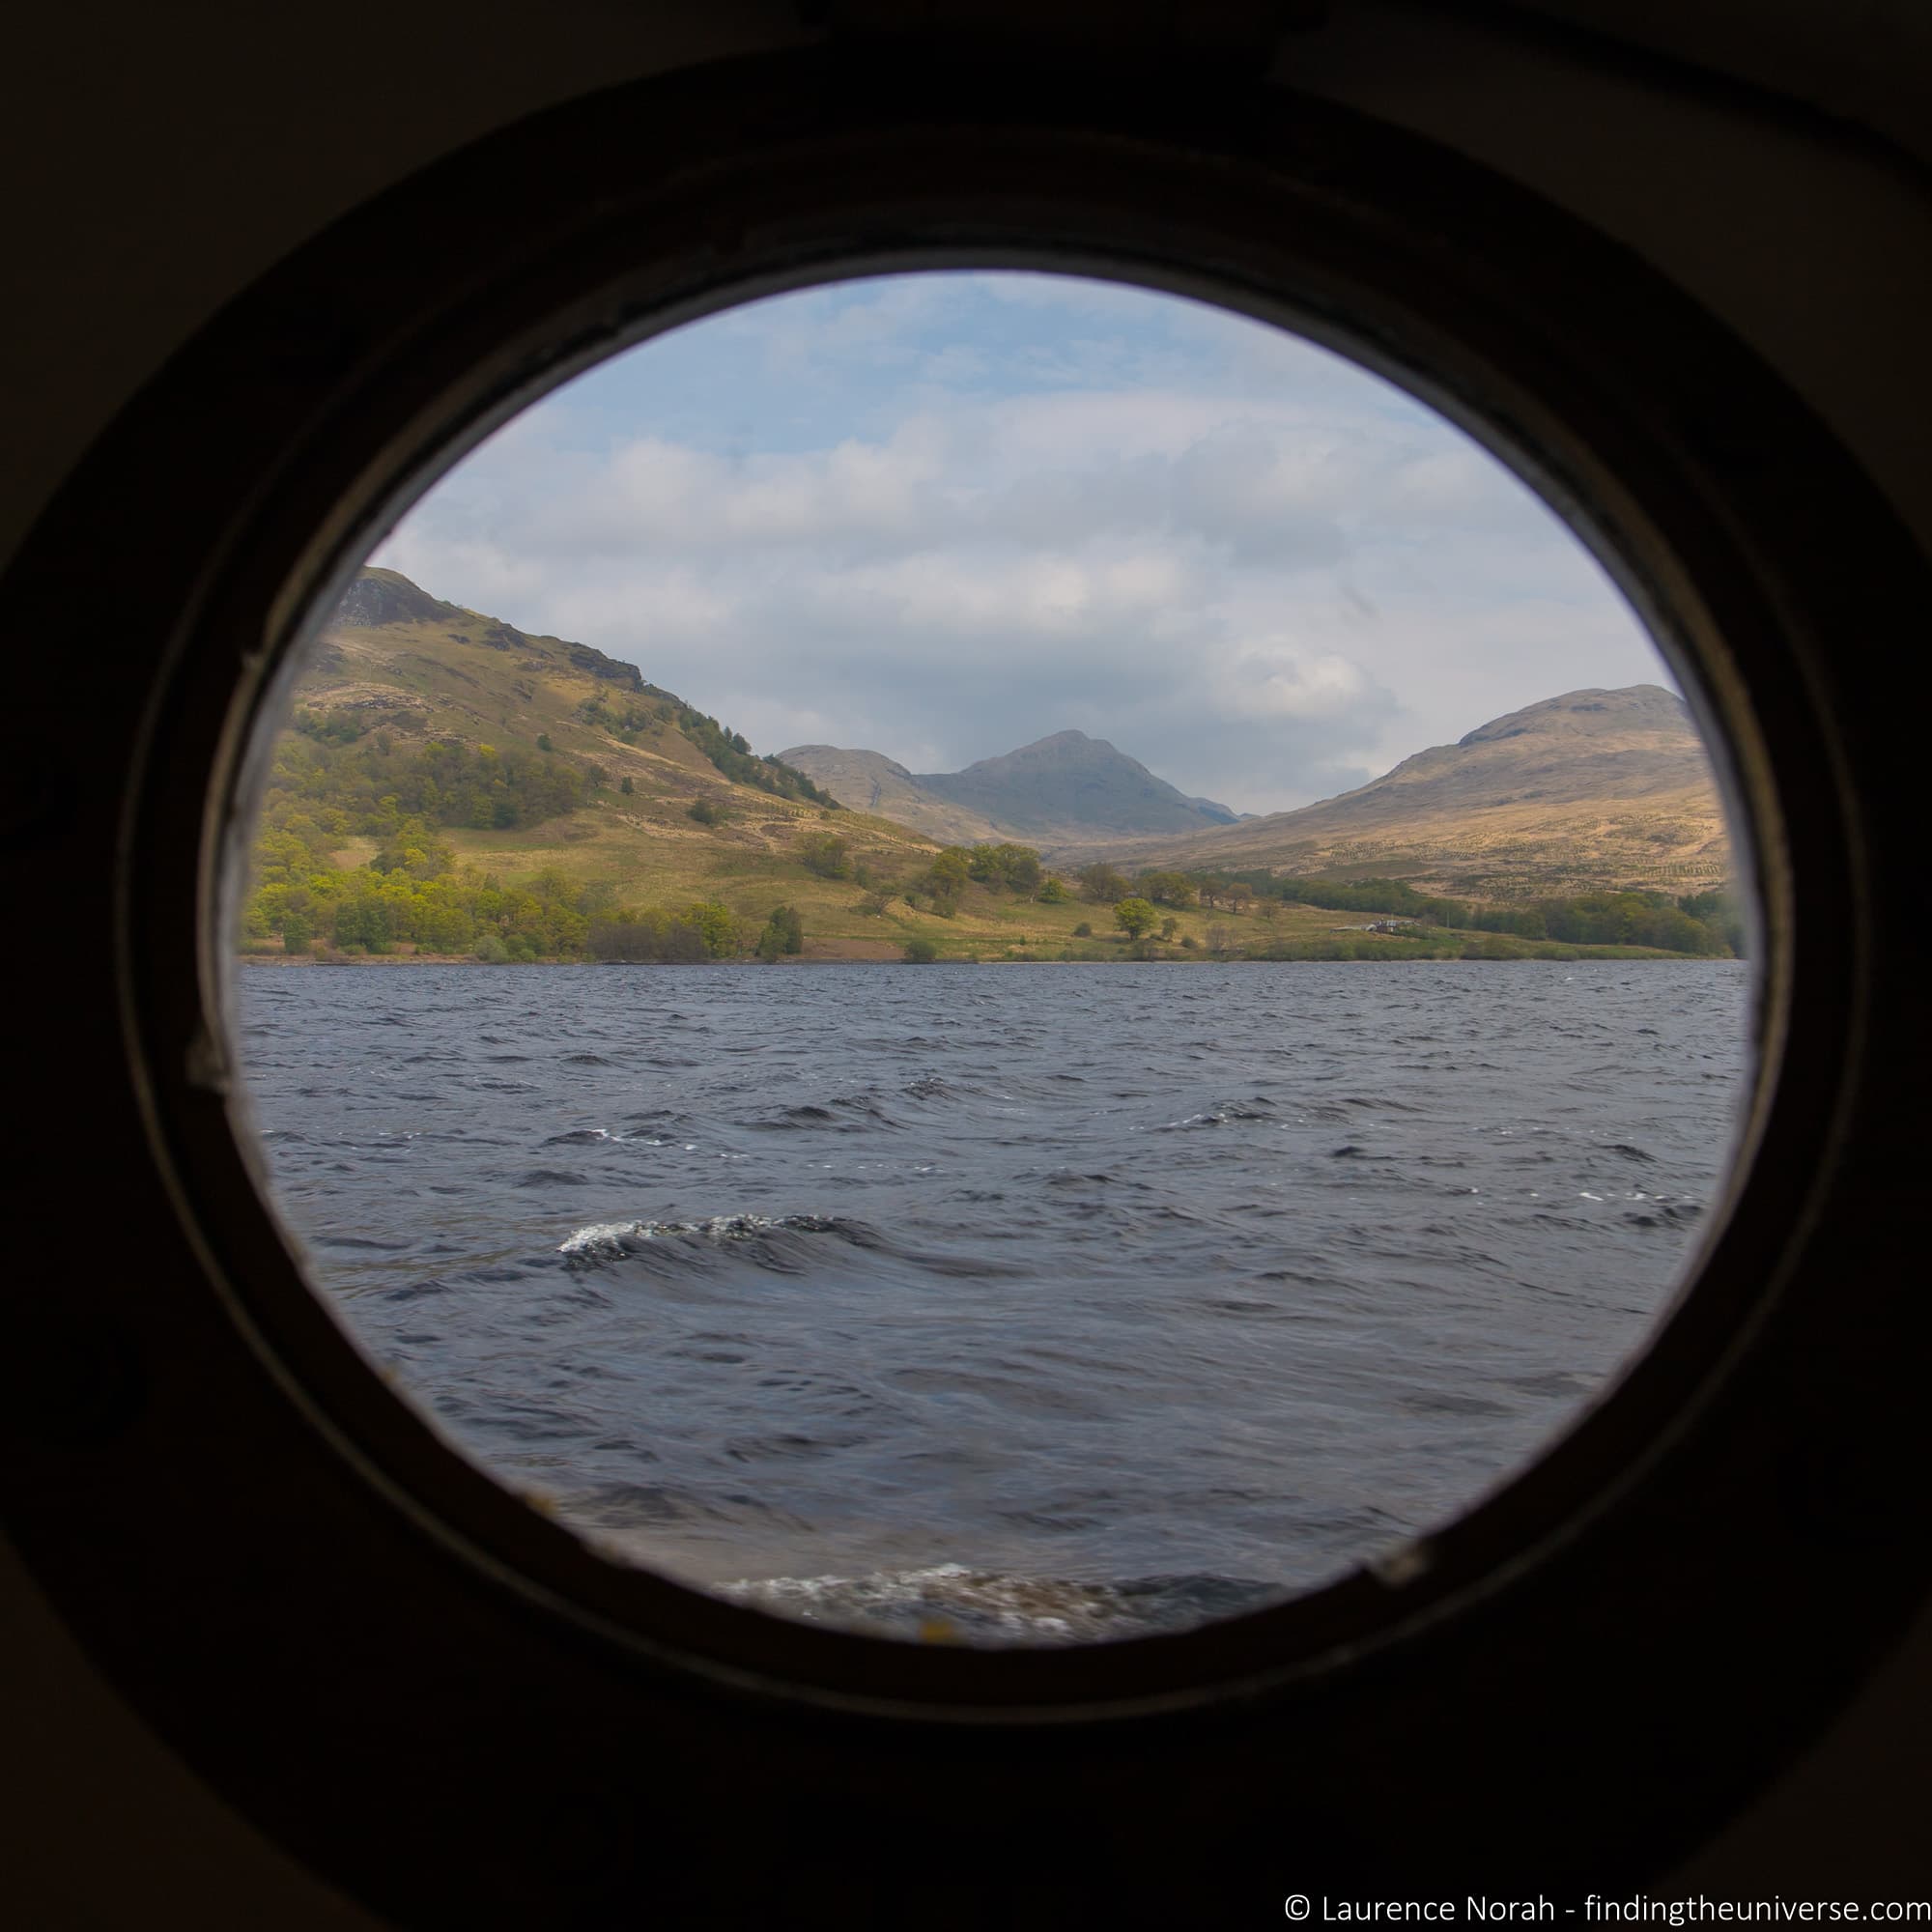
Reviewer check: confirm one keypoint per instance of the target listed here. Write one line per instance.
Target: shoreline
(1627, 956)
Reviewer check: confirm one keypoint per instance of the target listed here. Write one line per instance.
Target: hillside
(871, 781)
(1594, 790)
(1060, 791)
(508, 756)
(451, 785)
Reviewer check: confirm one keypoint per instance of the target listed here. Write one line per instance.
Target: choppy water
(1033, 1302)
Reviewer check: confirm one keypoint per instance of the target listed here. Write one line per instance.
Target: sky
(942, 515)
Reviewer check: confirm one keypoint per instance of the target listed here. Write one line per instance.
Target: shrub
(826, 854)
(921, 952)
(783, 934)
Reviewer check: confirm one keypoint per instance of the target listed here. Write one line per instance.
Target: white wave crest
(607, 1238)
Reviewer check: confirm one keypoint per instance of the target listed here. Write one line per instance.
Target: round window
(1345, 1016)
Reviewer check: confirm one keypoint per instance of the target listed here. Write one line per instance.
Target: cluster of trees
(943, 884)
(826, 855)
(702, 930)
(1108, 885)
(1721, 913)
(1218, 890)
(408, 894)
(1708, 923)
(783, 935)
(1168, 889)
(1103, 883)
(339, 762)
(999, 868)
(412, 893)
(727, 749)
(1014, 869)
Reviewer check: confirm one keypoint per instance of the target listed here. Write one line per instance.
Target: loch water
(1045, 1303)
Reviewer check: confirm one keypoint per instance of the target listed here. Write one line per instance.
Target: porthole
(237, 1517)
(1058, 1296)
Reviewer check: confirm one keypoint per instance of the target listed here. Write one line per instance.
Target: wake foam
(949, 1602)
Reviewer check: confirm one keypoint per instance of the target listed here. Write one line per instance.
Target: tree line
(1708, 923)
(420, 899)
(1144, 905)
(728, 750)
(326, 786)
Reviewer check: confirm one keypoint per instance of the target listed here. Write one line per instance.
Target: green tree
(946, 879)
(1053, 890)
(921, 952)
(1170, 888)
(1015, 866)
(783, 934)
(714, 925)
(950, 870)
(1136, 918)
(826, 854)
(1102, 883)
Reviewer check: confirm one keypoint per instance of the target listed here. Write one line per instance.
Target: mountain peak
(380, 597)
(1060, 788)
(1593, 713)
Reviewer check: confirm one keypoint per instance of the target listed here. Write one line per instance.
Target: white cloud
(975, 510)
(1269, 677)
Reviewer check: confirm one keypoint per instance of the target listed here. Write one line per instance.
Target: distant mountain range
(1067, 787)
(1592, 789)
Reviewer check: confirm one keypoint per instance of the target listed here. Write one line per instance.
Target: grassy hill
(430, 745)
(450, 787)
(1595, 790)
